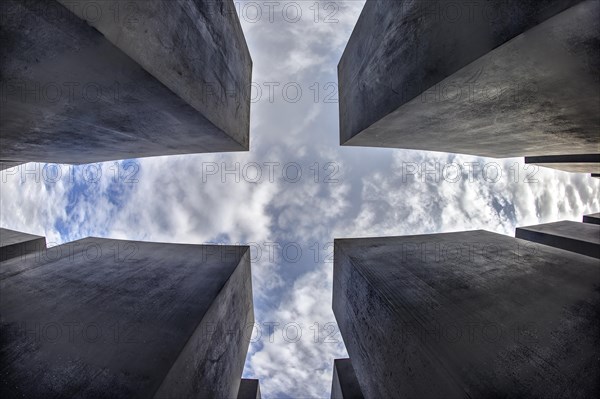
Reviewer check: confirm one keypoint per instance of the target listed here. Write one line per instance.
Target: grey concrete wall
(593, 218)
(211, 363)
(249, 389)
(15, 244)
(522, 83)
(344, 384)
(127, 79)
(110, 318)
(580, 163)
(583, 238)
(468, 314)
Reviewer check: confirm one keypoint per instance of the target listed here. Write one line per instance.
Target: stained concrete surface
(468, 314)
(16, 244)
(110, 318)
(522, 83)
(344, 384)
(593, 218)
(134, 79)
(249, 389)
(583, 238)
(580, 163)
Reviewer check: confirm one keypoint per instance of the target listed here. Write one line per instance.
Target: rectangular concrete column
(344, 384)
(580, 163)
(593, 218)
(583, 238)
(87, 81)
(481, 78)
(249, 389)
(15, 244)
(467, 314)
(112, 318)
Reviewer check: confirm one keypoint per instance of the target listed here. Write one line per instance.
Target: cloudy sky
(291, 194)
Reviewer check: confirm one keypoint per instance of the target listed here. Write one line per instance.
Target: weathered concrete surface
(583, 238)
(7, 165)
(469, 314)
(15, 244)
(498, 87)
(593, 218)
(344, 384)
(110, 318)
(580, 163)
(133, 79)
(249, 389)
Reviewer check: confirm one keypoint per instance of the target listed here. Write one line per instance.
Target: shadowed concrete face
(583, 238)
(580, 163)
(7, 165)
(593, 218)
(110, 318)
(469, 314)
(344, 384)
(91, 81)
(15, 244)
(249, 389)
(500, 79)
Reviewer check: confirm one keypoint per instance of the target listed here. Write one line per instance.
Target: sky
(291, 194)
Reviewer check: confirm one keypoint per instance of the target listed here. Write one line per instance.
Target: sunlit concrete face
(89, 81)
(125, 319)
(499, 79)
(468, 314)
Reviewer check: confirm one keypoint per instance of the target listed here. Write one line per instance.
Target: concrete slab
(344, 384)
(15, 244)
(582, 238)
(7, 165)
(91, 81)
(580, 163)
(467, 314)
(498, 79)
(110, 318)
(249, 389)
(593, 218)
